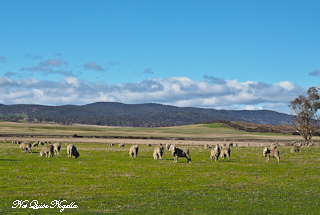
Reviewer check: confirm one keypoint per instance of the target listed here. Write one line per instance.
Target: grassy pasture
(104, 179)
(215, 130)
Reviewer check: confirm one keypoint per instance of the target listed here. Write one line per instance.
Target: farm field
(105, 180)
(214, 130)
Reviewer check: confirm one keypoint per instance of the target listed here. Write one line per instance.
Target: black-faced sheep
(133, 152)
(47, 150)
(168, 146)
(158, 152)
(72, 151)
(26, 147)
(176, 152)
(121, 145)
(271, 153)
(215, 153)
(295, 149)
(36, 144)
(56, 148)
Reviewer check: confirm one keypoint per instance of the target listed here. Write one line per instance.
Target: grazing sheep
(225, 152)
(111, 144)
(215, 152)
(176, 152)
(271, 153)
(25, 146)
(206, 146)
(158, 152)
(274, 146)
(47, 150)
(134, 151)
(121, 145)
(56, 148)
(168, 146)
(150, 145)
(72, 150)
(36, 144)
(295, 149)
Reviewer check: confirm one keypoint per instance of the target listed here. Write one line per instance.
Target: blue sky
(213, 54)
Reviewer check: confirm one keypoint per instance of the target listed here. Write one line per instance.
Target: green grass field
(105, 180)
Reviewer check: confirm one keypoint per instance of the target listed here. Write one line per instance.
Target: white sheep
(56, 148)
(176, 152)
(274, 146)
(215, 153)
(133, 152)
(47, 150)
(72, 151)
(168, 146)
(121, 145)
(158, 152)
(225, 152)
(295, 149)
(36, 144)
(25, 146)
(271, 153)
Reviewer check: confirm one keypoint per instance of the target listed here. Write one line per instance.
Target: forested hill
(137, 115)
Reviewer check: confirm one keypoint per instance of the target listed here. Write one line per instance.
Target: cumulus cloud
(214, 79)
(2, 59)
(178, 91)
(315, 72)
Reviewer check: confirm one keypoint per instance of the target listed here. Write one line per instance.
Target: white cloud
(287, 85)
(179, 91)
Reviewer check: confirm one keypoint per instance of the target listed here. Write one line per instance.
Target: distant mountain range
(137, 115)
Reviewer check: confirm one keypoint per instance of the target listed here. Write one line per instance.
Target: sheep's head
(172, 148)
(76, 155)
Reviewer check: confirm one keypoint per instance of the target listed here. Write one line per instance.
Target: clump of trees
(306, 119)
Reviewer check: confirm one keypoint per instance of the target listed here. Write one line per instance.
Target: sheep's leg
(216, 159)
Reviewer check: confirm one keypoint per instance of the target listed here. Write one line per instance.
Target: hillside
(137, 115)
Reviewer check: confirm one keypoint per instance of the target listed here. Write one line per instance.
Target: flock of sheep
(223, 151)
(48, 149)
